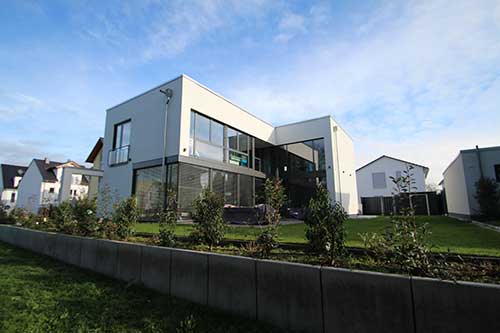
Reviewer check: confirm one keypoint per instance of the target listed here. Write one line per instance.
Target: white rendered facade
(142, 118)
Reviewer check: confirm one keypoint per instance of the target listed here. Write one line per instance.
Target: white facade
(146, 114)
(373, 179)
(461, 176)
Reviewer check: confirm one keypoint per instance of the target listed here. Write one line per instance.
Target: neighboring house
(213, 143)
(373, 178)
(43, 183)
(10, 177)
(461, 175)
(95, 157)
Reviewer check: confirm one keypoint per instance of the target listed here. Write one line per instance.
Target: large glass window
(192, 181)
(206, 138)
(147, 189)
(246, 190)
(122, 135)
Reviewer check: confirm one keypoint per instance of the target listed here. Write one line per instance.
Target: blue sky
(417, 80)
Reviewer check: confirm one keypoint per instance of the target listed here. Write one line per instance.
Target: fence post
(427, 203)
(382, 205)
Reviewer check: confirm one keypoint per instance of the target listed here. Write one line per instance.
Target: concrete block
(355, 301)
(129, 262)
(232, 284)
(289, 296)
(456, 307)
(21, 239)
(155, 272)
(49, 247)
(189, 275)
(88, 253)
(106, 257)
(68, 249)
(38, 242)
(4, 230)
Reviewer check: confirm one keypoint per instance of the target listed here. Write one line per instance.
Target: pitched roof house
(10, 177)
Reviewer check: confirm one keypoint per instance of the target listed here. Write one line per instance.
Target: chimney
(46, 160)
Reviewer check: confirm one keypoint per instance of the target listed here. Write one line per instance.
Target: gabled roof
(47, 169)
(10, 171)
(426, 169)
(95, 151)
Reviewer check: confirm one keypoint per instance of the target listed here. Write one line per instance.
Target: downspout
(335, 128)
(478, 154)
(168, 94)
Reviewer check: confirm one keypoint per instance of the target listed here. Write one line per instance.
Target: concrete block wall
(291, 296)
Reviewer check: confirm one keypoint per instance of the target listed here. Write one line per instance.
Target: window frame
(384, 178)
(115, 131)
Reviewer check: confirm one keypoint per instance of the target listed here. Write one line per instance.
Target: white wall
(390, 167)
(457, 199)
(29, 190)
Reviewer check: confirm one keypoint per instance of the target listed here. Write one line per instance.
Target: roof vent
(46, 160)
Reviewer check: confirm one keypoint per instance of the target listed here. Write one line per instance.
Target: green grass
(446, 234)
(38, 294)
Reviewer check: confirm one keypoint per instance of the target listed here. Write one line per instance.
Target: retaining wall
(291, 296)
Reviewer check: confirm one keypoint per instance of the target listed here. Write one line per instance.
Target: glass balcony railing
(118, 155)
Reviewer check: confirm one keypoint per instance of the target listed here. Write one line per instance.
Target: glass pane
(206, 150)
(118, 136)
(125, 134)
(232, 138)
(231, 189)
(218, 181)
(301, 157)
(202, 127)
(246, 190)
(319, 147)
(192, 181)
(243, 143)
(239, 159)
(147, 190)
(217, 133)
(191, 125)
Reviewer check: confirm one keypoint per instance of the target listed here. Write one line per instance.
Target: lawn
(39, 294)
(446, 234)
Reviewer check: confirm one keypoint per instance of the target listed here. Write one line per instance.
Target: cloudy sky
(418, 80)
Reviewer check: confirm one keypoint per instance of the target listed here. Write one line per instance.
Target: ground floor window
(147, 190)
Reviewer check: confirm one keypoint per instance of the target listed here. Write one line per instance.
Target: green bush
(274, 198)
(168, 220)
(84, 212)
(208, 214)
(125, 217)
(64, 220)
(325, 225)
(267, 240)
(21, 216)
(488, 197)
(4, 215)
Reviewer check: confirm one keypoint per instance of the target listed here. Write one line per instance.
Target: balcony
(118, 155)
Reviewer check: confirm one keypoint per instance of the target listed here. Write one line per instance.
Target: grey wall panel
(129, 262)
(189, 275)
(289, 295)
(456, 307)
(232, 284)
(106, 257)
(356, 301)
(155, 273)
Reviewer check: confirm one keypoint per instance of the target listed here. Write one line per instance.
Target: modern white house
(10, 177)
(47, 182)
(184, 136)
(460, 177)
(373, 179)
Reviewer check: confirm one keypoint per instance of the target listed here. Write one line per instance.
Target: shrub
(63, 218)
(208, 217)
(274, 198)
(168, 220)
(267, 240)
(488, 197)
(4, 215)
(125, 217)
(325, 225)
(84, 212)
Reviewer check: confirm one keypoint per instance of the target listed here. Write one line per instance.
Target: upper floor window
(121, 136)
(207, 137)
(13, 197)
(497, 172)
(378, 179)
(121, 142)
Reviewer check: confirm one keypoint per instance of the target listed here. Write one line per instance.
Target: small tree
(4, 216)
(208, 215)
(63, 218)
(488, 197)
(168, 220)
(325, 223)
(85, 214)
(274, 197)
(125, 217)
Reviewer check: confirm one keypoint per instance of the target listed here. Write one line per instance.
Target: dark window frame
(115, 128)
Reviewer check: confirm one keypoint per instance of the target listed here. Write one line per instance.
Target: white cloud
(413, 82)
